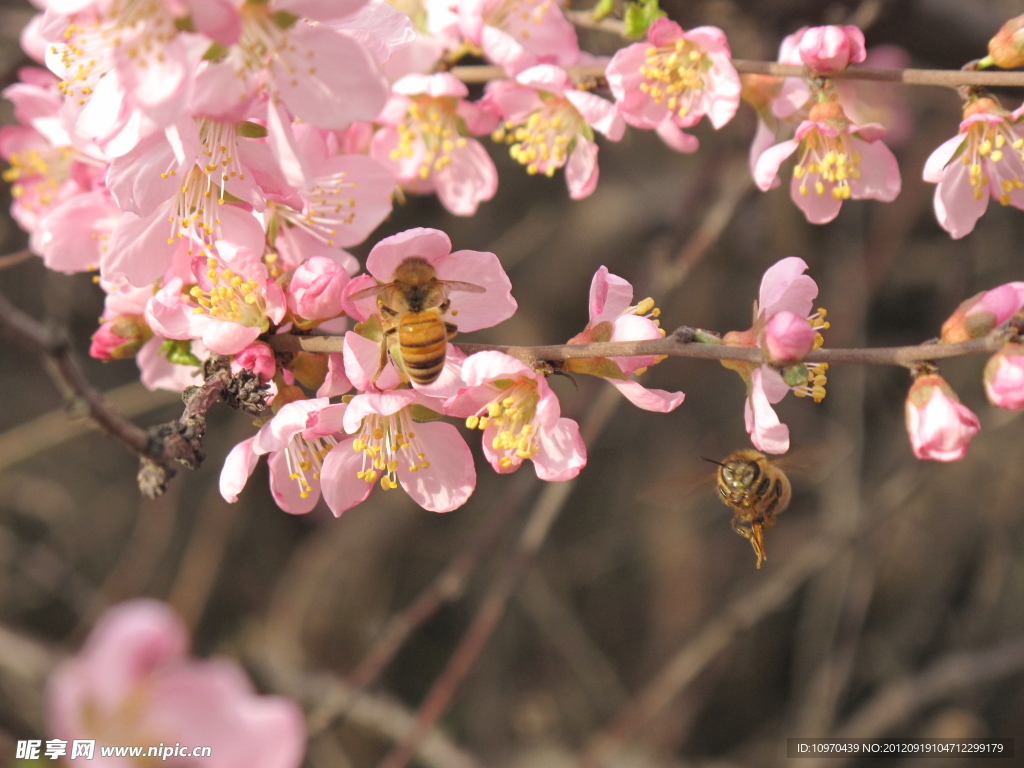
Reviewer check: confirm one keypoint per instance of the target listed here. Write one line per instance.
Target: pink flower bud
(1007, 47)
(120, 337)
(830, 49)
(258, 358)
(788, 337)
(1004, 377)
(978, 315)
(314, 293)
(940, 427)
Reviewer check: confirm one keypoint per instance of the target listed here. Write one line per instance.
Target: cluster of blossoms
(940, 426)
(212, 161)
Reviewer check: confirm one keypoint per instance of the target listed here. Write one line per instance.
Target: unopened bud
(980, 314)
(120, 337)
(1007, 47)
(1004, 377)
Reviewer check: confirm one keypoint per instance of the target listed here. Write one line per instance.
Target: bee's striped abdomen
(423, 339)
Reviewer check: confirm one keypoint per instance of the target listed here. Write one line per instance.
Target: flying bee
(756, 490)
(413, 306)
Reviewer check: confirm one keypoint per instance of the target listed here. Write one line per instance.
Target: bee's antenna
(712, 461)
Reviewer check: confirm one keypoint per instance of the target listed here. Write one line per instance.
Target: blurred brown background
(891, 601)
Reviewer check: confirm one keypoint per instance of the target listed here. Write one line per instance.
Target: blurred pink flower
(674, 80)
(520, 417)
(518, 34)
(980, 314)
(1004, 377)
(133, 683)
(940, 427)
(983, 160)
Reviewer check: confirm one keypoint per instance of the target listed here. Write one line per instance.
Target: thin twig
(948, 78)
(675, 345)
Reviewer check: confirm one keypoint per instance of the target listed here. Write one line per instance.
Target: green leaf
(179, 352)
(602, 9)
(639, 17)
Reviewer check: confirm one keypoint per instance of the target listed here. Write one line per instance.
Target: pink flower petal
(451, 478)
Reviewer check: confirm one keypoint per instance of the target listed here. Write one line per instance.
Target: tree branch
(948, 78)
(677, 345)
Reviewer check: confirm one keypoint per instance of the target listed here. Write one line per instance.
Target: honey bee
(757, 491)
(413, 306)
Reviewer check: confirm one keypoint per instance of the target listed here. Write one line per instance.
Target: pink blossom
(1004, 377)
(520, 417)
(258, 358)
(430, 460)
(837, 161)
(518, 34)
(831, 48)
(614, 318)
(549, 125)
(674, 80)
(767, 433)
(785, 329)
(983, 160)
(423, 146)
(125, 75)
(233, 302)
(983, 312)
(340, 200)
(133, 683)
(296, 444)
(314, 292)
(788, 337)
(940, 427)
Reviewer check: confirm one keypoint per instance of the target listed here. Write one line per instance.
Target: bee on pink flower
(674, 80)
(984, 160)
(549, 125)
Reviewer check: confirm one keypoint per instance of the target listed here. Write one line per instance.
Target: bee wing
(373, 290)
(458, 285)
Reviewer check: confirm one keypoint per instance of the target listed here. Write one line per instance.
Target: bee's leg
(754, 535)
(451, 330)
(389, 330)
